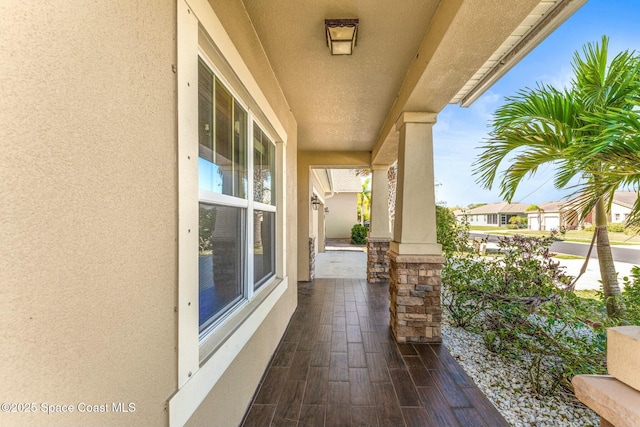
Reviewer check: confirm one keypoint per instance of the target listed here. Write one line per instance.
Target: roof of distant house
(549, 207)
(625, 198)
(500, 207)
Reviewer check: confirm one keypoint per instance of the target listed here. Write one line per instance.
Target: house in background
(563, 214)
(621, 206)
(342, 203)
(156, 175)
(493, 214)
(550, 216)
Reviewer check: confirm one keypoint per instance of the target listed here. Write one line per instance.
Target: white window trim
(197, 375)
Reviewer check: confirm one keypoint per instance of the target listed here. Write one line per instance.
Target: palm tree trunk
(610, 288)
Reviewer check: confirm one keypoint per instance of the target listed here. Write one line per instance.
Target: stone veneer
(377, 260)
(414, 295)
(312, 257)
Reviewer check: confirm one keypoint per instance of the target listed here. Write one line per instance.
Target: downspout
(330, 180)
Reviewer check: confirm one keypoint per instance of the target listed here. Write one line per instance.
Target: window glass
(220, 260)
(264, 245)
(222, 165)
(264, 154)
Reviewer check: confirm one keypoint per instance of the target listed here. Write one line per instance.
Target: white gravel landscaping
(506, 385)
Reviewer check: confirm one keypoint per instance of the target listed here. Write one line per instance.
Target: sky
(459, 131)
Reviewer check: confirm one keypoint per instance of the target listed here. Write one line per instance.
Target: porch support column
(415, 257)
(321, 228)
(379, 231)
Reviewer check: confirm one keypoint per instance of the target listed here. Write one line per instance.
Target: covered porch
(338, 364)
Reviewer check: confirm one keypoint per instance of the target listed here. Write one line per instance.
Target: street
(630, 255)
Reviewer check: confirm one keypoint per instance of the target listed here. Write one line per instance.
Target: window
(222, 167)
(220, 261)
(228, 274)
(228, 281)
(264, 196)
(264, 246)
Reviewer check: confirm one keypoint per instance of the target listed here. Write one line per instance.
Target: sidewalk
(591, 278)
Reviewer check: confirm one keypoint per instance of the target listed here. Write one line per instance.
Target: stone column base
(414, 295)
(377, 259)
(312, 257)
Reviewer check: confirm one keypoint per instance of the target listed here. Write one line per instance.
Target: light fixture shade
(315, 202)
(341, 35)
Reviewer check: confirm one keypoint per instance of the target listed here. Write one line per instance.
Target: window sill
(221, 347)
(213, 340)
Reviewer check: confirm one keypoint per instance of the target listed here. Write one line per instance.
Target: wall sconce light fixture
(315, 202)
(341, 35)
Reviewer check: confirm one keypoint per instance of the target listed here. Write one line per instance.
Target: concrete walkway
(342, 264)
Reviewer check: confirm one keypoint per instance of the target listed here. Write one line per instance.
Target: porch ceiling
(419, 56)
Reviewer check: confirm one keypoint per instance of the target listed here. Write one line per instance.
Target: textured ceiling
(412, 55)
(340, 102)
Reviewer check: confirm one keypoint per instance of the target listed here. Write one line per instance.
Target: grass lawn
(588, 294)
(567, 256)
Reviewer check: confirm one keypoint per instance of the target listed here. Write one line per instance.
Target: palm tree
(364, 201)
(546, 125)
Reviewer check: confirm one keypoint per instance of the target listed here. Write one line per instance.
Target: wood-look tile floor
(339, 365)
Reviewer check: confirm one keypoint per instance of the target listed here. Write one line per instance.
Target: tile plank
(418, 417)
(339, 392)
(288, 408)
(364, 416)
(272, 386)
(437, 407)
(387, 405)
(377, 365)
(405, 390)
(299, 366)
(259, 416)
(469, 417)
(317, 390)
(370, 342)
(419, 373)
(360, 387)
(320, 354)
(339, 367)
(338, 415)
(284, 354)
(356, 354)
(339, 342)
(312, 416)
(353, 333)
(485, 408)
(449, 389)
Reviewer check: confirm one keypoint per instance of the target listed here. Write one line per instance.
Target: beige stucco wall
(227, 402)
(343, 214)
(88, 180)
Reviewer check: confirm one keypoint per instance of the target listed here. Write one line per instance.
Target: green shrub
(450, 234)
(359, 234)
(615, 227)
(631, 295)
(517, 302)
